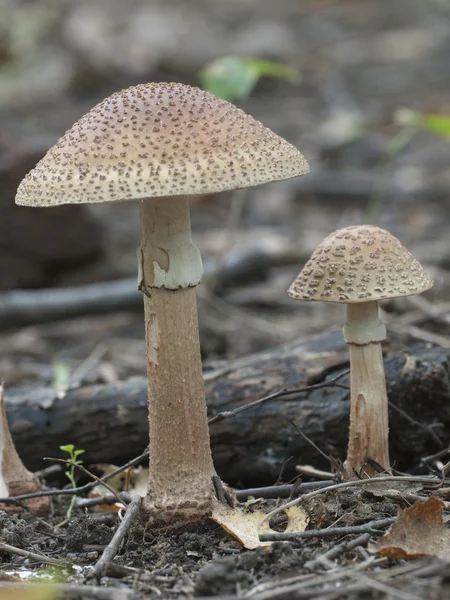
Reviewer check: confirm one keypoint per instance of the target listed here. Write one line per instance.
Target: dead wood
(24, 307)
(110, 421)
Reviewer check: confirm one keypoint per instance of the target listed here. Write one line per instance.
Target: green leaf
(269, 68)
(69, 448)
(437, 124)
(234, 77)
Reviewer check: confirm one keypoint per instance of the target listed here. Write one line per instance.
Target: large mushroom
(358, 266)
(160, 143)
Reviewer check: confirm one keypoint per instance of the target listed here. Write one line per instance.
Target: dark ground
(360, 62)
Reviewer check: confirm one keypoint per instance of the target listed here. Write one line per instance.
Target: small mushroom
(358, 266)
(15, 479)
(160, 143)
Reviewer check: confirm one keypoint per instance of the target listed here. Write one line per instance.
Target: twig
(336, 551)
(78, 490)
(310, 442)
(416, 332)
(427, 310)
(89, 474)
(293, 585)
(112, 549)
(408, 497)
(48, 471)
(347, 484)
(372, 527)
(311, 471)
(426, 460)
(88, 502)
(89, 363)
(279, 394)
(391, 591)
(30, 555)
(280, 491)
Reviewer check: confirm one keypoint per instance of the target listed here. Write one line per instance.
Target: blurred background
(361, 87)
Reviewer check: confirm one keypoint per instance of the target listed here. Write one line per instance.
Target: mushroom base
(39, 506)
(15, 479)
(190, 507)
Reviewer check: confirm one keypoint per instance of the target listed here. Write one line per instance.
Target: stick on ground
(40, 558)
(111, 551)
(373, 527)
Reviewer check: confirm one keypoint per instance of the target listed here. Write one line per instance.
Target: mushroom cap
(359, 264)
(159, 139)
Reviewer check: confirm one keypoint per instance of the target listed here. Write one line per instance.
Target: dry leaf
(132, 480)
(245, 526)
(419, 531)
(139, 481)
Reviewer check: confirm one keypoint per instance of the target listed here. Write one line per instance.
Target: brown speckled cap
(358, 264)
(159, 139)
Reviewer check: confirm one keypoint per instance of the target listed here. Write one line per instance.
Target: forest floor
(360, 62)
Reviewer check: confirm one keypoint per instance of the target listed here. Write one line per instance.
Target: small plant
(71, 462)
(234, 77)
(410, 123)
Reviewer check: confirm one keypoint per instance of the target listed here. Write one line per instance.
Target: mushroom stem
(368, 436)
(181, 467)
(15, 479)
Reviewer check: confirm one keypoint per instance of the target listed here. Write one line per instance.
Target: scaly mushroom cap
(159, 139)
(358, 264)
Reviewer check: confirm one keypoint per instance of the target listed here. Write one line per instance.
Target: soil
(198, 559)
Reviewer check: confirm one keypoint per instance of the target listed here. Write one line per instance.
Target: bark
(110, 421)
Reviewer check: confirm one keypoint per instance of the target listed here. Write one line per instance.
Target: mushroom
(358, 266)
(160, 143)
(15, 479)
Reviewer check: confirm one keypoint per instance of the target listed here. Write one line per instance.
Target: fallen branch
(90, 416)
(22, 307)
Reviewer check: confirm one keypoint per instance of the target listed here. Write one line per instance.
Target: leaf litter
(418, 532)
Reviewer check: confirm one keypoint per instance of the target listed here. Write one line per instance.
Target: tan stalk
(181, 467)
(15, 479)
(368, 435)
